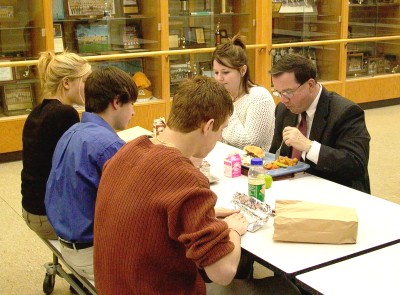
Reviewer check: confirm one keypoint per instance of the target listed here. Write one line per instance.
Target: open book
(131, 133)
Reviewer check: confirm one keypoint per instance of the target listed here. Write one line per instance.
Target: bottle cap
(256, 161)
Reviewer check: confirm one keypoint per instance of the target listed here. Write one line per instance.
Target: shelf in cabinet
(17, 28)
(7, 118)
(375, 5)
(305, 15)
(375, 25)
(210, 15)
(300, 33)
(364, 76)
(153, 100)
(101, 19)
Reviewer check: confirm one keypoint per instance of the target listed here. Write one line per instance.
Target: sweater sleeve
(252, 122)
(193, 223)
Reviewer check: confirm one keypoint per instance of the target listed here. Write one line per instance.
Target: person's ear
(243, 70)
(116, 103)
(65, 83)
(208, 127)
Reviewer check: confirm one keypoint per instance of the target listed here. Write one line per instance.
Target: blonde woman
(62, 78)
(252, 122)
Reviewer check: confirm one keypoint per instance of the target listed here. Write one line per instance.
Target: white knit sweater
(253, 120)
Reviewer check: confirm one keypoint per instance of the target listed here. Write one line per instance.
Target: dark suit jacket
(339, 126)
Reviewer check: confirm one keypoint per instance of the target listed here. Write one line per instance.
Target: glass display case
(21, 38)
(354, 44)
(369, 19)
(106, 26)
(306, 20)
(297, 21)
(21, 24)
(204, 24)
(323, 56)
(194, 24)
(19, 94)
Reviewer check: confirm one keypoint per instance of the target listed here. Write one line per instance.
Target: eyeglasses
(287, 93)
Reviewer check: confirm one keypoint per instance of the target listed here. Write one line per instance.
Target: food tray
(256, 212)
(301, 166)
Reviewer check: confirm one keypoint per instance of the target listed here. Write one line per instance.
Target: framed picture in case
(194, 36)
(93, 38)
(130, 7)
(6, 12)
(17, 98)
(81, 8)
(376, 65)
(355, 62)
(173, 41)
(25, 72)
(6, 73)
(131, 35)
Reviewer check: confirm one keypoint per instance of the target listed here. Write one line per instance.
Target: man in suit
(335, 142)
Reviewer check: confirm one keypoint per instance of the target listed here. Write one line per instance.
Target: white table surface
(378, 219)
(376, 272)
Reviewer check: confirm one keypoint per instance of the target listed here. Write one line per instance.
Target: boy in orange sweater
(155, 223)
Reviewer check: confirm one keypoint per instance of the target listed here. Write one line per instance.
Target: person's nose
(218, 77)
(284, 99)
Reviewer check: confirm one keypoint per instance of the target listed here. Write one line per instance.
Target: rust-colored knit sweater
(155, 223)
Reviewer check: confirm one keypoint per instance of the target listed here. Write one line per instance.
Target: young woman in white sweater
(252, 122)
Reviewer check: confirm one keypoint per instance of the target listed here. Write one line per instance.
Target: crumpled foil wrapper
(256, 212)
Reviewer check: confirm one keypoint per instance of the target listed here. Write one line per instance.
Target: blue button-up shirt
(75, 174)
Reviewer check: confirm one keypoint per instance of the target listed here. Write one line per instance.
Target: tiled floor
(22, 254)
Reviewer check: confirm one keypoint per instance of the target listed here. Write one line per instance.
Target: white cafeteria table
(376, 272)
(378, 219)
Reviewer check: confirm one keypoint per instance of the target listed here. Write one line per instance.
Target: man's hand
(294, 138)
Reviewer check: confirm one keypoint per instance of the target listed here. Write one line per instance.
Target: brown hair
(302, 67)
(105, 84)
(55, 67)
(232, 54)
(198, 100)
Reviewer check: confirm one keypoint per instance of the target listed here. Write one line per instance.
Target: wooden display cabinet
(149, 34)
(374, 19)
(309, 21)
(203, 18)
(23, 25)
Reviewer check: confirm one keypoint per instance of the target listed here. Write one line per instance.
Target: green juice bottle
(256, 179)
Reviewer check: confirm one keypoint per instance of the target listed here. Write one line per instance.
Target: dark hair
(302, 67)
(198, 100)
(103, 85)
(232, 54)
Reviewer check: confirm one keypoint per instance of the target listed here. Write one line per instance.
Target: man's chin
(292, 110)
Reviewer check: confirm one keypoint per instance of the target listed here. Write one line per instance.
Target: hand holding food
(294, 138)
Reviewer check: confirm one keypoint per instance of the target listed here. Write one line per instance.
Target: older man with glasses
(319, 127)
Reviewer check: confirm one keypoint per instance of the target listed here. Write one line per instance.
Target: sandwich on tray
(254, 151)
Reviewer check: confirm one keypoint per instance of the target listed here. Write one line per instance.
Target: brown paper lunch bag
(299, 221)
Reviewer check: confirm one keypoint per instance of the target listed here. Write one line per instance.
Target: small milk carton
(233, 166)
